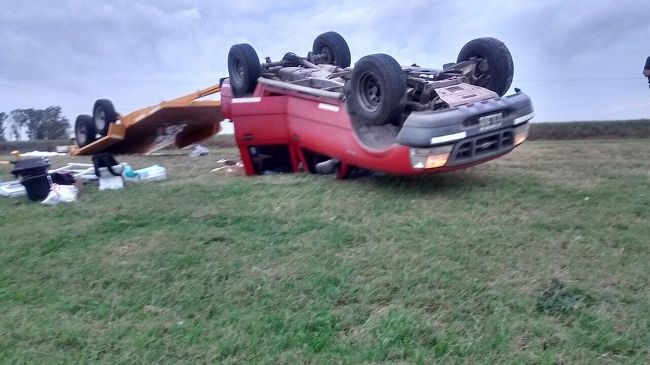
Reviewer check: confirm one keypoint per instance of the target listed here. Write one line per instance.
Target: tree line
(46, 123)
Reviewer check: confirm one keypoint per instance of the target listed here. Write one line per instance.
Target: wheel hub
(239, 68)
(81, 135)
(100, 118)
(371, 95)
(327, 55)
(481, 74)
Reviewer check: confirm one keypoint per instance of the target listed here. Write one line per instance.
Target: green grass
(540, 257)
(615, 129)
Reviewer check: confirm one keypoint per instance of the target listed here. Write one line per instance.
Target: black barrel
(37, 186)
(33, 176)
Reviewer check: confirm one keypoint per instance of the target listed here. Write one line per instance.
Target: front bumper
(470, 133)
(486, 145)
(430, 128)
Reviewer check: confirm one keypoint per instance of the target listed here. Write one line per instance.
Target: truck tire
(500, 68)
(243, 68)
(377, 89)
(335, 49)
(84, 130)
(103, 115)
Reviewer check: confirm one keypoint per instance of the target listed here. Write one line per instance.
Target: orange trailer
(181, 121)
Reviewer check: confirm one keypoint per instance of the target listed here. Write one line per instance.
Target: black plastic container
(30, 166)
(34, 177)
(37, 186)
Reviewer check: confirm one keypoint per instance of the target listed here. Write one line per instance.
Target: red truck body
(305, 125)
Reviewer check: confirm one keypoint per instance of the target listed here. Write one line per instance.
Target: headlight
(430, 158)
(521, 133)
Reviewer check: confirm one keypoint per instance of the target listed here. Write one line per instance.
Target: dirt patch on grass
(557, 298)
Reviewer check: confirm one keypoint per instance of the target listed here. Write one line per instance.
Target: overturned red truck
(316, 113)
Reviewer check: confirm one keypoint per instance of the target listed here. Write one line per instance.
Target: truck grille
(482, 146)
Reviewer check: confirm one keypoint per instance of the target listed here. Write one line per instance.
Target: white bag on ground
(61, 194)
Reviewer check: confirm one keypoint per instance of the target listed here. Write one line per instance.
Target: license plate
(491, 121)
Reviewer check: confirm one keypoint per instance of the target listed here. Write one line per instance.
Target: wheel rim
(100, 118)
(327, 55)
(238, 65)
(81, 135)
(481, 72)
(370, 91)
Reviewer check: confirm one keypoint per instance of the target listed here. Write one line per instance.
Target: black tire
(335, 47)
(291, 59)
(243, 68)
(499, 60)
(104, 115)
(377, 89)
(84, 130)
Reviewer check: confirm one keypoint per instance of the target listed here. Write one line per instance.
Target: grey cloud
(139, 52)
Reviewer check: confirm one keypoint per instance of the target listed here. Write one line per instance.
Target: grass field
(541, 257)
(599, 130)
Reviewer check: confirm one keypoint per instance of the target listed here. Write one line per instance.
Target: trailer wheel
(103, 114)
(496, 70)
(243, 68)
(84, 130)
(377, 89)
(333, 48)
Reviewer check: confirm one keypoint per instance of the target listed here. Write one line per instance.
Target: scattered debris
(199, 151)
(62, 178)
(231, 168)
(235, 170)
(110, 178)
(151, 173)
(84, 172)
(61, 194)
(41, 154)
(12, 189)
(109, 171)
(327, 167)
(53, 186)
(79, 172)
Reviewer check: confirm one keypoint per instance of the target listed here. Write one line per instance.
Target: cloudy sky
(578, 60)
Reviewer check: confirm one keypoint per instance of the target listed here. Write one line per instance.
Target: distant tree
(3, 116)
(41, 124)
(20, 118)
(56, 125)
(34, 122)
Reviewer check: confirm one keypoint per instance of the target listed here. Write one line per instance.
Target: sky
(578, 60)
